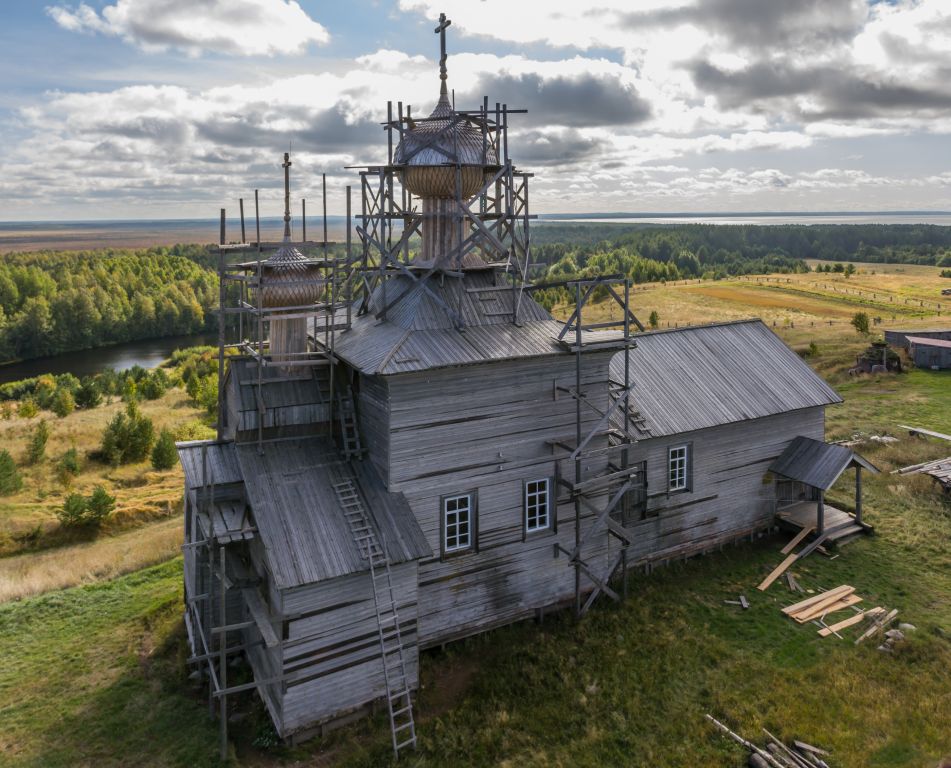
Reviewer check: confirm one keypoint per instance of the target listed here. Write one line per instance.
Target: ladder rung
(399, 712)
(403, 727)
(406, 743)
(403, 693)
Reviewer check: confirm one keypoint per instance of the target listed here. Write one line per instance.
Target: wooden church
(411, 449)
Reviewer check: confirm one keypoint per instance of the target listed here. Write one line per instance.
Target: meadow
(95, 674)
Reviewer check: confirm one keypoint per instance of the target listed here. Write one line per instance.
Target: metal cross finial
(441, 31)
(286, 165)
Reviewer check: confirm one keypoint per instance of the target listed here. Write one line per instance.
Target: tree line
(56, 301)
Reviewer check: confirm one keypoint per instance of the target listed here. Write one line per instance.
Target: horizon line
(560, 215)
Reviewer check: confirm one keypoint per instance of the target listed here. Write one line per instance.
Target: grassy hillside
(94, 675)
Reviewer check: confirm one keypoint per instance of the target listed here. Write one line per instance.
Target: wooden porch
(837, 524)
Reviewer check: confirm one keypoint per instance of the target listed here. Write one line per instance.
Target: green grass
(91, 676)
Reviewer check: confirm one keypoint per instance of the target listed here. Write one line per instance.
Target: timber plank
(845, 602)
(851, 621)
(796, 607)
(777, 572)
(821, 604)
(796, 539)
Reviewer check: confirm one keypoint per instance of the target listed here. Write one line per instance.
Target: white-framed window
(678, 459)
(537, 505)
(458, 522)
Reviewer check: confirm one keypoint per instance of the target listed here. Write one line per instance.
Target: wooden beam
(777, 572)
(796, 607)
(920, 431)
(796, 539)
(828, 598)
(878, 626)
(851, 621)
(838, 605)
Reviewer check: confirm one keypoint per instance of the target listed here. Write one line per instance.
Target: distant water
(120, 357)
(88, 235)
(941, 218)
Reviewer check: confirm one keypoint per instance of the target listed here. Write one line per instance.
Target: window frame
(550, 508)
(472, 545)
(687, 459)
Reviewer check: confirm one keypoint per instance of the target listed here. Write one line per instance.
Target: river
(120, 357)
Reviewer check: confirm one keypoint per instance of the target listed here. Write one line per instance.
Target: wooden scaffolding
(620, 479)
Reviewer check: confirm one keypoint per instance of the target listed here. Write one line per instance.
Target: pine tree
(63, 403)
(99, 505)
(164, 455)
(10, 480)
(37, 447)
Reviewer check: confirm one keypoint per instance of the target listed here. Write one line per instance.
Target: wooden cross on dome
(441, 31)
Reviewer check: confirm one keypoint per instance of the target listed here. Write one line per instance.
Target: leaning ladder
(398, 700)
(349, 431)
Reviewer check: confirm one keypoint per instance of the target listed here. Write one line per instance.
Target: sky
(118, 109)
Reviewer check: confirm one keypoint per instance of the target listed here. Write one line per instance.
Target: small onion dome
(287, 280)
(431, 172)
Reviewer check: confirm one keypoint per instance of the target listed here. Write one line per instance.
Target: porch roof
(816, 463)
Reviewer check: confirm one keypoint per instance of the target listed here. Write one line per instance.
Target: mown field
(95, 674)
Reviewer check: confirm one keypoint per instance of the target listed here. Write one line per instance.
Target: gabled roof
(816, 463)
(702, 376)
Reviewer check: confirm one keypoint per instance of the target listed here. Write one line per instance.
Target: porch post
(858, 494)
(820, 513)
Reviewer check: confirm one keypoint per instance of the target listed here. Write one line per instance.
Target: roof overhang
(816, 463)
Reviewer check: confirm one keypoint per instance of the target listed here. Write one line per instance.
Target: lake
(121, 357)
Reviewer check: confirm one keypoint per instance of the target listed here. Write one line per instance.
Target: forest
(59, 301)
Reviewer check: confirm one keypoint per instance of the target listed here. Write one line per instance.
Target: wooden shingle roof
(703, 376)
(301, 524)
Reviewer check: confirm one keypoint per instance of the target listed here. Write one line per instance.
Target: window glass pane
(536, 505)
(677, 468)
(457, 517)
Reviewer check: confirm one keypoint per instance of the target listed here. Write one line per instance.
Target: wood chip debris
(776, 754)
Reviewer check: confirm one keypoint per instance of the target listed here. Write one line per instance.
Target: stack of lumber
(818, 606)
(776, 754)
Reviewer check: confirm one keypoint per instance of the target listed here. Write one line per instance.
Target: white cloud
(237, 27)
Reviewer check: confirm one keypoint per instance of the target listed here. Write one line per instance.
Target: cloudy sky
(172, 108)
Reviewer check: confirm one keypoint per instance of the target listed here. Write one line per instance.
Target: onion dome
(287, 280)
(431, 149)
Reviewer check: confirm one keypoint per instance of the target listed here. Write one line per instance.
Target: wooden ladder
(349, 430)
(398, 698)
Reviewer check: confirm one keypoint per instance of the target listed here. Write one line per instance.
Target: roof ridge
(700, 326)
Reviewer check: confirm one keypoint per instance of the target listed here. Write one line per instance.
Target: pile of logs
(776, 754)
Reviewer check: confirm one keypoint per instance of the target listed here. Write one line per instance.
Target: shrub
(860, 322)
(654, 320)
(6, 411)
(74, 510)
(100, 505)
(154, 385)
(67, 467)
(128, 437)
(63, 403)
(89, 394)
(27, 408)
(164, 455)
(36, 449)
(10, 480)
(45, 391)
(87, 510)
